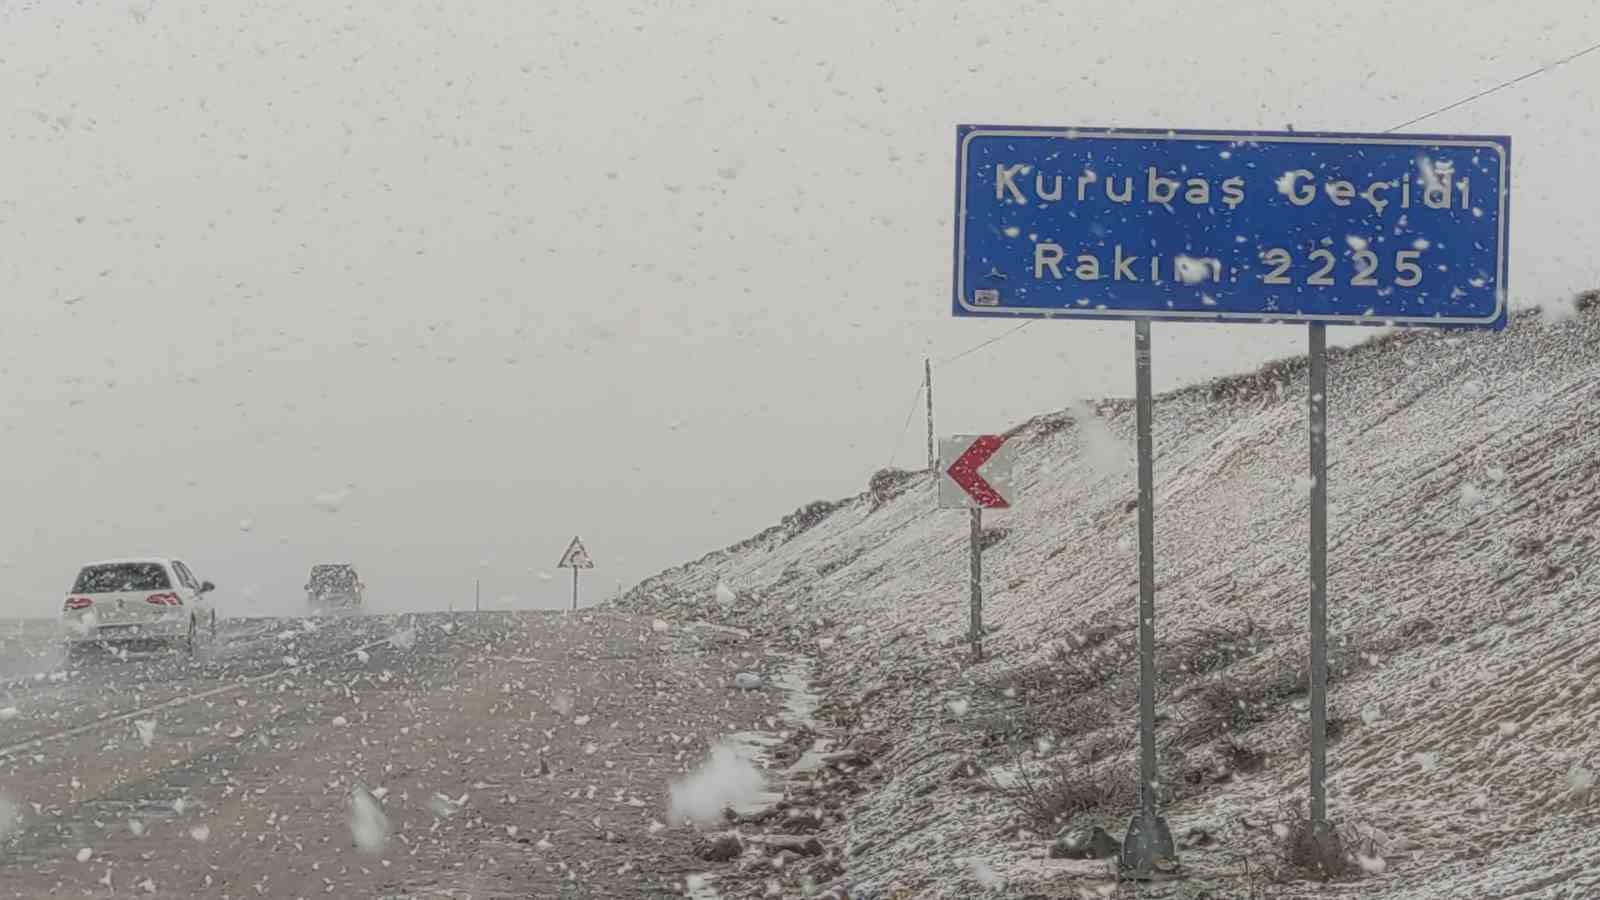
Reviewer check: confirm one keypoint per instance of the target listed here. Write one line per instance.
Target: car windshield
(800, 449)
(111, 578)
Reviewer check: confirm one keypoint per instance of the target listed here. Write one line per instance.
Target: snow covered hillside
(1464, 498)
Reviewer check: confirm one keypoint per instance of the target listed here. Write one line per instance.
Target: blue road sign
(1351, 229)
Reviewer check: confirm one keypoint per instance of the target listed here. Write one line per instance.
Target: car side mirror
(207, 587)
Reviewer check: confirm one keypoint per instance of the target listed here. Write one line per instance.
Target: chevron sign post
(979, 478)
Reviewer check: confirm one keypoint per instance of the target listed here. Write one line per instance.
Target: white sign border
(1200, 316)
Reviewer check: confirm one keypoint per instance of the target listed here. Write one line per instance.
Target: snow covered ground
(1464, 492)
(420, 756)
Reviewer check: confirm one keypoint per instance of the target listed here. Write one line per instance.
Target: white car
(150, 599)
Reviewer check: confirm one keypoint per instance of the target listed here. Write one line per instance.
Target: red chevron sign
(980, 475)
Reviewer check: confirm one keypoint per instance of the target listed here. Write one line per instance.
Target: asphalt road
(427, 755)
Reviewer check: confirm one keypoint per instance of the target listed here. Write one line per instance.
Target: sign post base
(1148, 849)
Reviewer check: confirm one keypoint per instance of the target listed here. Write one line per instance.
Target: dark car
(334, 587)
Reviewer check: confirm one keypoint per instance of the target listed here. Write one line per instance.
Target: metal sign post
(1319, 574)
(1211, 226)
(1149, 838)
(980, 478)
(576, 557)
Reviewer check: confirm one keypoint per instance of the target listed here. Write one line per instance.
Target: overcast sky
(432, 287)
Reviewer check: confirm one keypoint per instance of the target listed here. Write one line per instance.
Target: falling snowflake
(982, 874)
(333, 501)
(1194, 271)
(1580, 783)
(368, 825)
(725, 779)
(10, 816)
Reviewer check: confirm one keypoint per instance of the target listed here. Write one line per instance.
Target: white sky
(652, 273)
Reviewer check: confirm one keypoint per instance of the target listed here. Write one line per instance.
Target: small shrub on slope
(1057, 792)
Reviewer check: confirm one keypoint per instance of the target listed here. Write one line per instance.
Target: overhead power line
(1497, 88)
(975, 348)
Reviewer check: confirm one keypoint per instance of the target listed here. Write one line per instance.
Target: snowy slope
(1464, 494)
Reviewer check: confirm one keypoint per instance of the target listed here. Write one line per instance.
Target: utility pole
(977, 584)
(927, 384)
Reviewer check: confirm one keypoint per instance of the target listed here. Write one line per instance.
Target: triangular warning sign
(576, 557)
